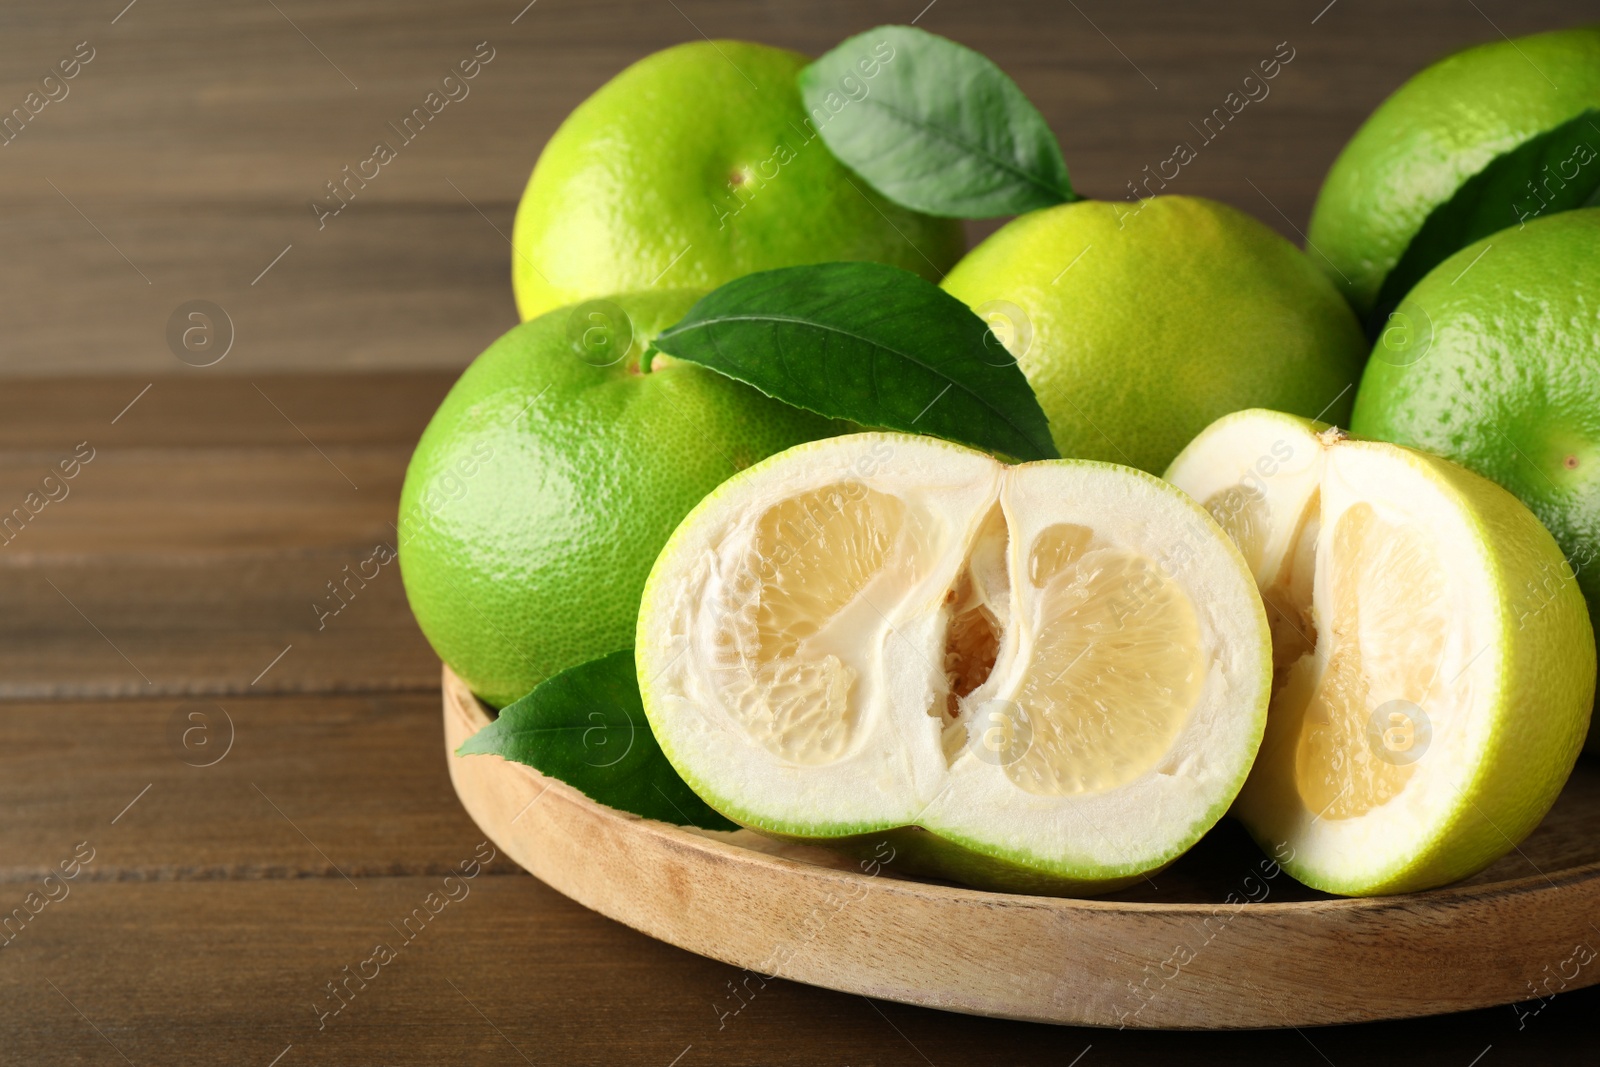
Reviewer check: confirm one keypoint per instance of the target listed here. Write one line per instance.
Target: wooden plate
(1222, 939)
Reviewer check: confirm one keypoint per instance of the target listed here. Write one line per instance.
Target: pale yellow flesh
(813, 556)
(1110, 661)
(1115, 670)
(1351, 688)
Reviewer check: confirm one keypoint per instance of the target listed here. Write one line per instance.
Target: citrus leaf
(1557, 170)
(586, 726)
(934, 126)
(870, 343)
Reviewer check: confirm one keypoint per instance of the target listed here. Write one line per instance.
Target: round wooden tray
(1223, 939)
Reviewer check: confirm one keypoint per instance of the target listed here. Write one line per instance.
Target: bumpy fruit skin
(544, 486)
(1437, 130)
(1148, 323)
(1495, 363)
(633, 191)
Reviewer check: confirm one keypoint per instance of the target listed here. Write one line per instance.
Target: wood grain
(49, 416)
(185, 157)
(180, 168)
(513, 974)
(147, 627)
(1246, 960)
(165, 567)
(184, 963)
(192, 789)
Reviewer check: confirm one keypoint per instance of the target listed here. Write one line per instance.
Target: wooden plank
(199, 134)
(404, 286)
(206, 927)
(255, 787)
(199, 533)
(49, 416)
(221, 626)
(194, 501)
(184, 973)
(255, 88)
(186, 570)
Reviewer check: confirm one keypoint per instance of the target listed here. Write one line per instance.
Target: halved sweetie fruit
(1048, 678)
(1435, 667)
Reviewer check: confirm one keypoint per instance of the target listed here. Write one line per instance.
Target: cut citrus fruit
(1431, 693)
(1051, 677)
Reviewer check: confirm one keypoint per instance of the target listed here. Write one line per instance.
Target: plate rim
(1422, 909)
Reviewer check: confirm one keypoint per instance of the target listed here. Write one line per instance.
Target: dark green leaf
(870, 343)
(586, 726)
(934, 126)
(1554, 171)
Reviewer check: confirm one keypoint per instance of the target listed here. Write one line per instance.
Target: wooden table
(248, 802)
(237, 870)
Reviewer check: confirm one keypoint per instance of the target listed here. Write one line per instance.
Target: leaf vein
(707, 324)
(998, 162)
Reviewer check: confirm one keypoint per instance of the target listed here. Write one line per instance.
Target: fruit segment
(1390, 606)
(1058, 670)
(1422, 722)
(788, 618)
(1115, 667)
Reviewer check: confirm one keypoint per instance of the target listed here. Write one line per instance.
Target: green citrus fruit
(1493, 360)
(695, 166)
(1438, 130)
(1138, 326)
(1050, 677)
(1423, 720)
(552, 474)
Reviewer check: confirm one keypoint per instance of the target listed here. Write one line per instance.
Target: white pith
(1364, 848)
(901, 765)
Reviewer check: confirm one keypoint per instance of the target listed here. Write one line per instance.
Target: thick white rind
(894, 762)
(895, 773)
(1277, 458)
(1149, 820)
(1371, 848)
